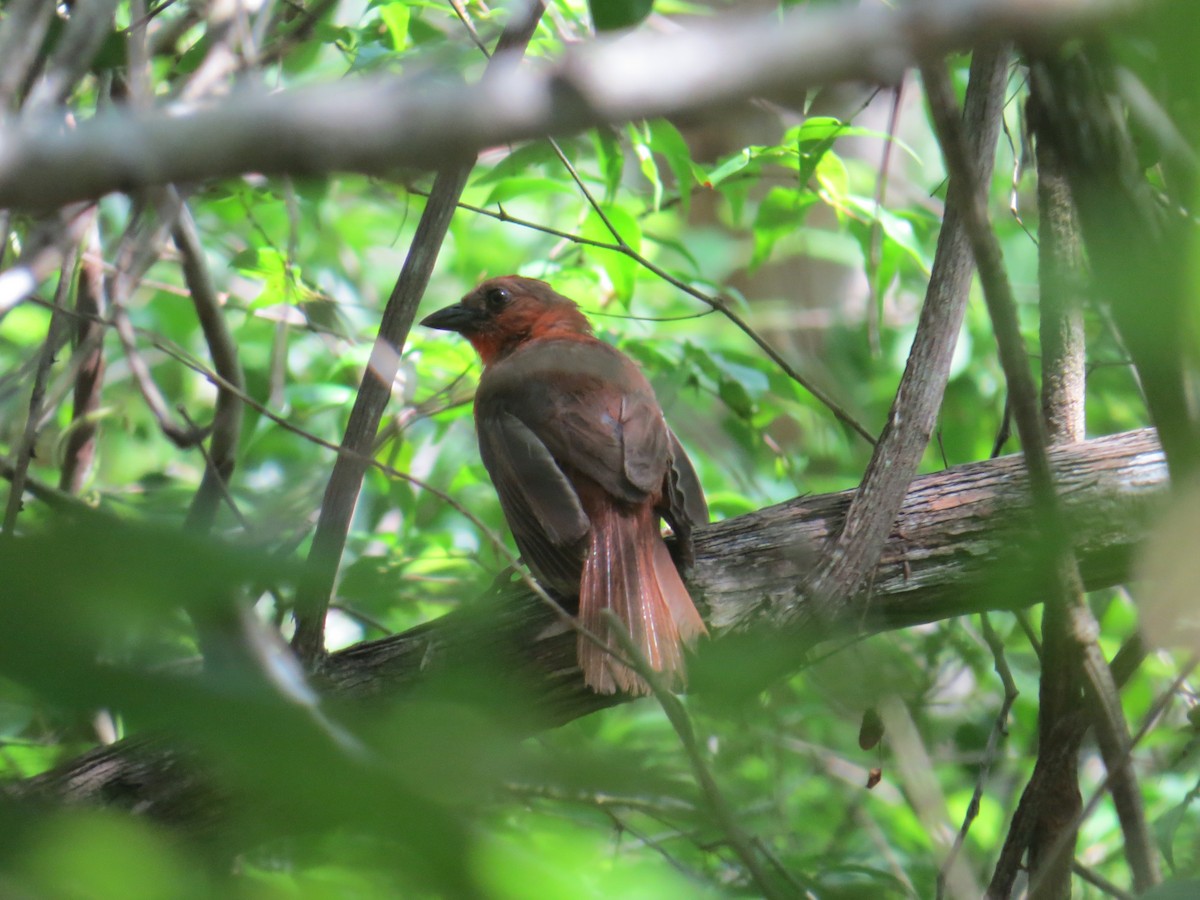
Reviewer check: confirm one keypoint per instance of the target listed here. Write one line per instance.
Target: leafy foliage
(784, 214)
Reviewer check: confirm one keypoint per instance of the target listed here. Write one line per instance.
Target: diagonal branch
(341, 493)
(853, 554)
(227, 419)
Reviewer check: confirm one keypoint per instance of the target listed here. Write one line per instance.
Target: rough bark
(963, 544)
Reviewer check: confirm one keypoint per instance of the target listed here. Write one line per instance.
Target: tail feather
(630, 571)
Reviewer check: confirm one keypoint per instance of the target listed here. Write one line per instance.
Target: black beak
(458, 318)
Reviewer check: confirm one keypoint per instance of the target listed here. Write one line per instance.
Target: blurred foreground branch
(963, 542)
(418, 121)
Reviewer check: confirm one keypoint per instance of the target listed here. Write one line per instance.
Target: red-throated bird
(585, 465)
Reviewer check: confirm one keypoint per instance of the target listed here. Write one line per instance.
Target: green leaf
(647, 163)
(25, 325)
(611, 15)
(734, 164)
(519, 162)
(510, 188)
(833, 178)
(736, 397)
(666, 140)
(780, 213)
(620, 268)
(395, 16)
(611, 158)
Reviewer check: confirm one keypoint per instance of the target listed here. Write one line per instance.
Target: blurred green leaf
(611, 15)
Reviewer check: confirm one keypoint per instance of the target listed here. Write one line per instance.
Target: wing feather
(591, 408)
(539, 502)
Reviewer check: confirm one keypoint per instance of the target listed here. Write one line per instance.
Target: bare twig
(56, 336)
(140, 247)
(80, 443)
(219, 486)
(312, 600)
(227, 419)
(677, 715)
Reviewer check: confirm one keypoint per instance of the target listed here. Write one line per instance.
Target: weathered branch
(964, 542)
(854, 552)
(227, 419)
(398, 121)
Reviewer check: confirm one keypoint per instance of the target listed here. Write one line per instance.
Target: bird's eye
(496, 297)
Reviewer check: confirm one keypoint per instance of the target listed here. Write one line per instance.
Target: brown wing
(539, 503)
(590, 408)
(686, 497)
(683, 506)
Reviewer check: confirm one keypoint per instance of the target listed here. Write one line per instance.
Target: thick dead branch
(964, 543)
(405, 121)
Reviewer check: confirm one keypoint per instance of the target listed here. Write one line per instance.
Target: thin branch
(139, 249)
(406, 120)
(219, 486)
(56, 336)
(88, 366)
(998, 733)
(714, 797)
(227, 419)
(345, 482)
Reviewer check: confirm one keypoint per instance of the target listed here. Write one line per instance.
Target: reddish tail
(630, 571)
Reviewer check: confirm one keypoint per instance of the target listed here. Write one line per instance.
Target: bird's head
(503, 313)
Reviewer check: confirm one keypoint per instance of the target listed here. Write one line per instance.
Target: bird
(585, 466)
